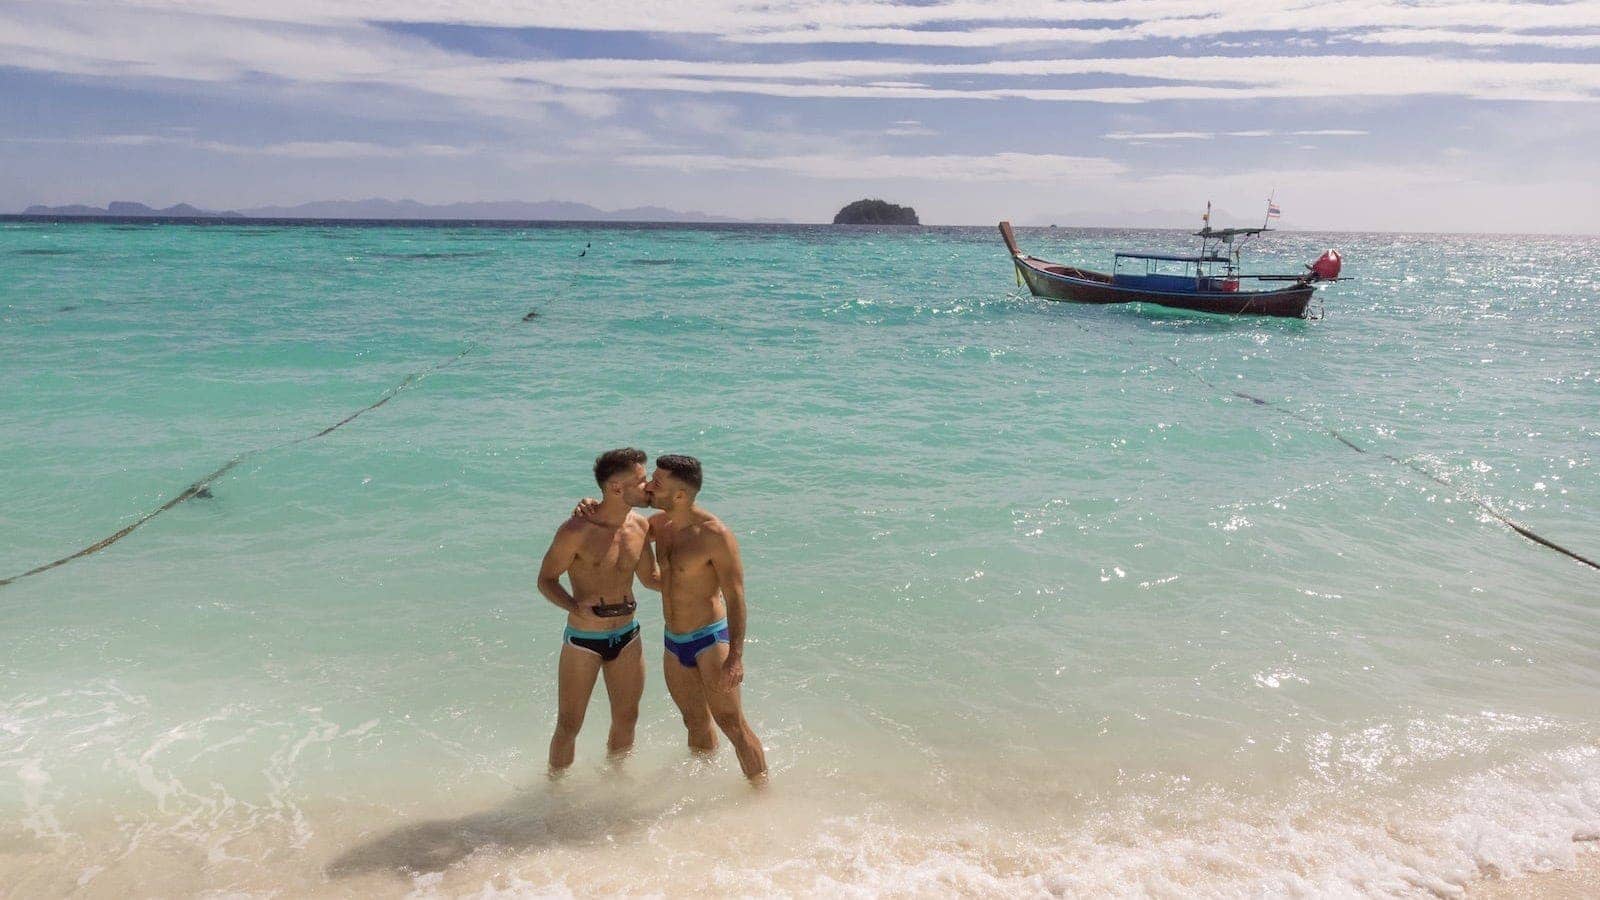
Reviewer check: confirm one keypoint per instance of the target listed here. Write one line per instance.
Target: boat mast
(1205, 239)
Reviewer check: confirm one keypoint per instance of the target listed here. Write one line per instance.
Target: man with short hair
(702, 596)
(600, 554)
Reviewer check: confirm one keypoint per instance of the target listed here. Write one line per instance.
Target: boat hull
(1082, 286)
(1054, 281)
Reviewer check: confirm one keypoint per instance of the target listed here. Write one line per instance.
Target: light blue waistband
(698, 633)
(599, 635)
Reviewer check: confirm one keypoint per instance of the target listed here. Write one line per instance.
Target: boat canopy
(1227, 234)
(1173, 258)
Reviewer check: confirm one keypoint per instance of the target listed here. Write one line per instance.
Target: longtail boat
(1205, 282)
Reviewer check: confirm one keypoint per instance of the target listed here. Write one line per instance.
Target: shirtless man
(601, 554)
(702, 595)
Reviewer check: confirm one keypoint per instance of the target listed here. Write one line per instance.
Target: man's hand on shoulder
(585, 508)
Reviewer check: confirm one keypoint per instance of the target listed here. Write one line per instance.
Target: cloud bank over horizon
(1447, 115)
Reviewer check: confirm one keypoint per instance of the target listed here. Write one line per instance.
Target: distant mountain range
(124, 208)
(377, 208)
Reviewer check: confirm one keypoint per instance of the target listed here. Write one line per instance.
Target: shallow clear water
(1034, 608)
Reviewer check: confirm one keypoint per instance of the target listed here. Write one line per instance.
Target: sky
(1436, 115)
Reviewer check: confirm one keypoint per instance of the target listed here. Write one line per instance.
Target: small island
(876, 212)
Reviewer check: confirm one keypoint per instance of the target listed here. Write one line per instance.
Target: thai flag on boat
(1272, 210)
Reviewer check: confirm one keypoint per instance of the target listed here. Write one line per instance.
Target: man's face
(661, 489)
(632, 483)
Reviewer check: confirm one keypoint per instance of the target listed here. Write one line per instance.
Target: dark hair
(684, 468)
(611, 462)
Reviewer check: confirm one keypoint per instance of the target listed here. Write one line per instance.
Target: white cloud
(321, 44)
(1143, 136)
(1160, 135)
(1480, 38)
(816, 22)
(1194, 77)
(1014, 167)
(1408, 196)
(695, 115)
(125, 45)
(291, 149)
(908, 37)
(335, 149)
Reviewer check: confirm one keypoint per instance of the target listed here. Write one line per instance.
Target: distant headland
(876, 212)
(127, 209)
(379, 208)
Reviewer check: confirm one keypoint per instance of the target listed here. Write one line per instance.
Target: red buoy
(1327, 266)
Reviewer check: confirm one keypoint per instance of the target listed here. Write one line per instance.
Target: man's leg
(575, 675)
(728, 713)
(624, 685)
(683, 684)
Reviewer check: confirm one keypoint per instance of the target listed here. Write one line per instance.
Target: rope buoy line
(202, 487)
(1465, 493)
(204, 484)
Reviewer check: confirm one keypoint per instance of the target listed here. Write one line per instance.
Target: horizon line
(241, 219)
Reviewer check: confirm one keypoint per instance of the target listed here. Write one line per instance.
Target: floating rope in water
(202, 488)
(1483, 504)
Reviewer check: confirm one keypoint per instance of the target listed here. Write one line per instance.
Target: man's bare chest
(615, 551)
(683, 552)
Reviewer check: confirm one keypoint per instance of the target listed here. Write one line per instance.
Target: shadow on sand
(533, 819)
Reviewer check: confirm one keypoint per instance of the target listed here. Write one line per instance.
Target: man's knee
(696, 719)
(568, 725)
(731, 721)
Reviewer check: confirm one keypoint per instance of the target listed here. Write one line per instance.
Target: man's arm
(557, 560)
(649, 574)
(730, 578)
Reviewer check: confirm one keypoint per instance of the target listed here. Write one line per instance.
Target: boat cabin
(1173, 273)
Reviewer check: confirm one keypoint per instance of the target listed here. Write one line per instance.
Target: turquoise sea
(1035, 608)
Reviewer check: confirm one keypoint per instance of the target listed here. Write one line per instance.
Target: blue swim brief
(688, 647)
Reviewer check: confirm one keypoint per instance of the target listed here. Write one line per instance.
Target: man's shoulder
(712, 525)
(573, 527)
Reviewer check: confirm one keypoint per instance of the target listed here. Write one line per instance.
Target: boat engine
(1327, 266)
